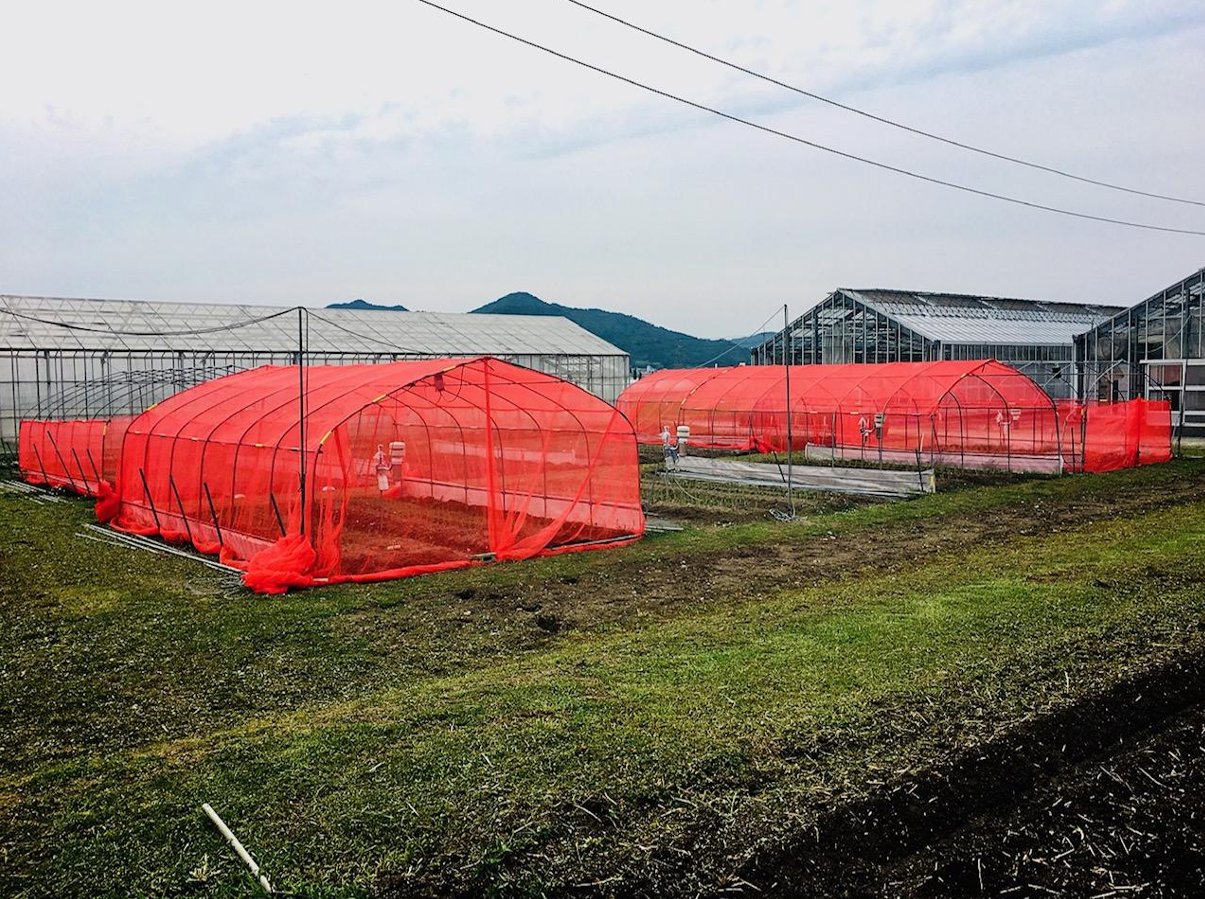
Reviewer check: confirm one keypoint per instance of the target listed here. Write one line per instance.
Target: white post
(238, 847)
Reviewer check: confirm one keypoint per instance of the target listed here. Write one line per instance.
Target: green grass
(368, 737)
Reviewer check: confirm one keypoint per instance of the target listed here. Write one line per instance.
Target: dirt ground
(653, 586)
(1103, 799)
(1106, 798)
(1098, 796)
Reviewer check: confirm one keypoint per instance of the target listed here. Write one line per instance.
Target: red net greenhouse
(972, 413)
(75, 454)
(379, 471)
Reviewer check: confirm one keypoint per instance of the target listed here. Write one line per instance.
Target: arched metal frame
(343, 395)
(834, 391)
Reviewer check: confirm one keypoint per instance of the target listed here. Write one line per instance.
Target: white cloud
(180, 79)
(284, 152)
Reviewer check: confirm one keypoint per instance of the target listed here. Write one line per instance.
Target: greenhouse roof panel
(38, 323)
(962, 318)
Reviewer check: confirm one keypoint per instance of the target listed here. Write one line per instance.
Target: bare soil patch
(663, 586)
(1105, 798)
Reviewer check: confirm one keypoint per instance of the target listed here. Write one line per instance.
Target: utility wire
(882, 119)
(70, 326)
(736, 346)
(385, 343)
(232, 326)
(808, 143)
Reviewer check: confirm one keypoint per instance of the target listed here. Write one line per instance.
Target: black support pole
(45, 477)
(54, 443)
(280, 522)
(213, 513)
(83, 474)
(95, 470)
(147, 490)
(183, 515)
(786, 364)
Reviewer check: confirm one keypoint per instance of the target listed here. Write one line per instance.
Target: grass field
(674, 717)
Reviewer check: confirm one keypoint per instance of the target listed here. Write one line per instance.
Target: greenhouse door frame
(1191, 382)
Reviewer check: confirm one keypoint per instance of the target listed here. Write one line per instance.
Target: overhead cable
(761, 329)
(804, 141)
(72, 326)
(377, 340)
(231, 326)
(882, 119)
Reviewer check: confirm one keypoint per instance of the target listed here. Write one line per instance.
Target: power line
(882, 119)
(805, 142)
(71, 326)
(761, 329)
(385, 343)
(232, 326)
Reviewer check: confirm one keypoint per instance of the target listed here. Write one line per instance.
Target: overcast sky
(295, 152)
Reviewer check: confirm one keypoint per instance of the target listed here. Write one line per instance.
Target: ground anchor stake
(237, 847)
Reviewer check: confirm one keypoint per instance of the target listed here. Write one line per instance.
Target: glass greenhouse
(68, 358)
(1156, 350)
(874, 326)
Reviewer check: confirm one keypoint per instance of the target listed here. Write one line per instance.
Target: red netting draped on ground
(949, 410)
(409, 467)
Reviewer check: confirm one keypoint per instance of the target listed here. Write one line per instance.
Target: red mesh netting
(79, 454)
(410, 467)
(980, 409)
(1122, 435)
(973, 414)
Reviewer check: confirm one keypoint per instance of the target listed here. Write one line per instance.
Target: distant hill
(646, 343)
(364, 304)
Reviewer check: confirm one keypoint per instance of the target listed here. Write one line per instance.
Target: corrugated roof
(962, 318)
(34, 323)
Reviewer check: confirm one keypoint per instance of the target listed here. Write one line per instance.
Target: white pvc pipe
(238, 847)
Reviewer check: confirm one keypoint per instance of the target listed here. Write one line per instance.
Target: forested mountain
(646, 343)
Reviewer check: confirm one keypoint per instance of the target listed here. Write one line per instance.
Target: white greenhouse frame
(118, 356)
